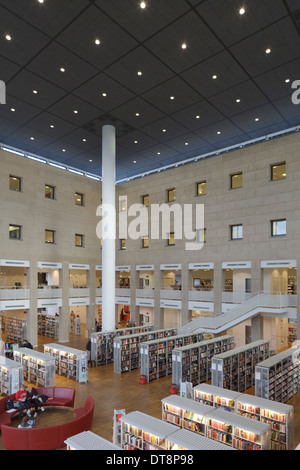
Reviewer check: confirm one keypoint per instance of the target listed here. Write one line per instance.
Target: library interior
(150, 226)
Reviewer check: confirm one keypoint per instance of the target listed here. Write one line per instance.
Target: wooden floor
(112, 391)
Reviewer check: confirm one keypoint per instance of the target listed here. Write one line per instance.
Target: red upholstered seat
(14, 438)
(43, 438)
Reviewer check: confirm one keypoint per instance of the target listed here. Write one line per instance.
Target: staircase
(259, 303)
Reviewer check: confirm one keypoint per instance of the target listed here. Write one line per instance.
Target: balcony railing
(202, 295)
(168, 293)
(14, 293)
(49, 292)
(79, 291)
(145, 293)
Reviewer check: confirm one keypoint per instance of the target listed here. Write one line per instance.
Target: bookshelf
(143, 432)
(15, 329)
(156, 355)
(192, 363)
(237, 431)
(48, 325)
(127, 348)
(87, 440)
(223, 426)
(185, 440)
(102, 351)
(279, 416)
(69, 362)
(277, 378)
(216, 396)
(185, 413)
(11, 376)
(38, 368)
(235, 369)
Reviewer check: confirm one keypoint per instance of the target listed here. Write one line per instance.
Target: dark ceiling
(220, 41)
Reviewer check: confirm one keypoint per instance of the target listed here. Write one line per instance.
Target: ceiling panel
(224, 60)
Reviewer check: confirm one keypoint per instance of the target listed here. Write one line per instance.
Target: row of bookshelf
(192, 363)
(102, 343)
(38, 368)
(11, 376)
(127, 348)
(279, 416)
(48, 325)
(225, 427)
(69, 362)
(235, 369)
(156, 355)
(15, 329)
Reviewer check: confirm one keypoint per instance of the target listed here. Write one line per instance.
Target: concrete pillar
(64, 317)
(108, 226)
(32, 284)
(184, 295)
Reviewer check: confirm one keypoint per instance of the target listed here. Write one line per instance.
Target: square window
(145, 200)
(236, 232)
(171, 195)
(236, 180)
(78, 199)
(15, 232)
(145, 242)
(278, 228)
(123, 244)
(14, 183)
(49, 191)
(122, 203)
(278, 171)
(201, 188)
(171, 239)
(49, 236)
(79, 239)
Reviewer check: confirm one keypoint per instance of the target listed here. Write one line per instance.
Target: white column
(108, 227)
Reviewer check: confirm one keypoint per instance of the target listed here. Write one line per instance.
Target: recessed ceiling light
(52, 126)
(183, 46)
(134, 161)
(41, 1)
(287, 80)
(215, 77)
(197, 117)
(186, 143)
(62, 69)
(242, 11)
(137, 114)
(63, 150)
(140, 73)
(31, 138)
(75, 111)
(238, 100)
(104, 94)
(268, 51)
(158, 153)
(135, 141)
(256, 119)
(172, 97)
(143, 5)
(12, 110)
(8, 37)
(97, 42)
(218, 132)
(164, 130)
(83, 140)
(90, 160)
(34, 91)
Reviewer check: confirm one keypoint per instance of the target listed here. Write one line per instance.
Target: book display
(127, 348)
(102, 343)
(143, 432)
(185, 413)
(156, 355)
(185, 440)
(69, 362)
(235, 369)
(11, 376)
(214, 423)
(192, 363)
(237, 431)
(38, 368)
(279, 416)
(15, 329)
(87, 440)
(277, 378)
(48, 325)
(216, 396)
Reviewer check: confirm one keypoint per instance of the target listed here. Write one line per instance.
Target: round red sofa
(50, 437)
